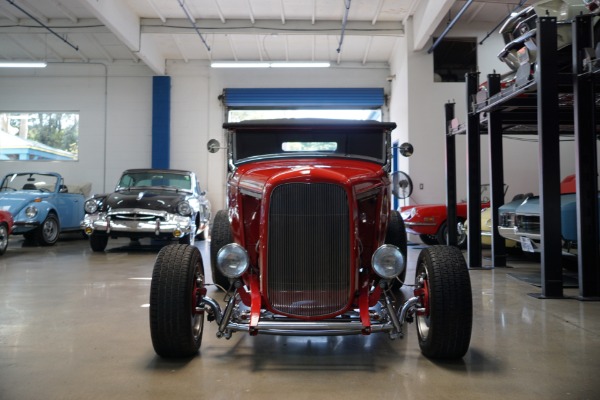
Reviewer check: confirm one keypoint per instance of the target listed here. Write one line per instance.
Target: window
(237, 115)
(39, 136)
(453, 58)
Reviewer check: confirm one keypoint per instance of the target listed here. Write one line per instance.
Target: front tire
(47, 233)
(396, 235)
(430, 240)
(176, 292)
(220, 236)
(98, 241)
(442, 236)
(444, 286)
(3, 238)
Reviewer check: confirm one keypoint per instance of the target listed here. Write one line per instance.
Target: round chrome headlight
(90, 206)
(31, 212)
(232, 260)
(388, 261)
(184, 208)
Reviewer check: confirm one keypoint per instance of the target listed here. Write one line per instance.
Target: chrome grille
(528, 223)
(309, 249)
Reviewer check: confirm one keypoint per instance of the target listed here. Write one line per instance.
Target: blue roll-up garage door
(304, 98)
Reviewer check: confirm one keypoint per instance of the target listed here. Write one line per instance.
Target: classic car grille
(309, 249)
(528, 223)
(136, 216)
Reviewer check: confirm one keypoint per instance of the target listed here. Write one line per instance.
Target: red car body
(309, 245)
(428, 221)
(6, 226)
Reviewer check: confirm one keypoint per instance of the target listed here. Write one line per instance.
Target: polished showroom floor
(74, 325)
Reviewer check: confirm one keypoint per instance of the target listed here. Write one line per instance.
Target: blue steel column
(161, 121)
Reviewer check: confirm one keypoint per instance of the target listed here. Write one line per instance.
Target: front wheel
(396, 235)
(461, 238)
(176, 293)
(430, 240)
(47, 233)
(98, 241)
(446, 317)
(220, 236)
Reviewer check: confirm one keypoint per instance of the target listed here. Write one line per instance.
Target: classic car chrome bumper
(385, 318)
(146, 222)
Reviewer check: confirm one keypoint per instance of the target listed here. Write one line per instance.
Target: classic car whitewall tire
(444, 285)
(47, 233)
(3, 238)
(220, 236)
(176, 315)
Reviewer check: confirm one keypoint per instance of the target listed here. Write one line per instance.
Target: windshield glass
(29, 182)
(155, 179)
(249, 145)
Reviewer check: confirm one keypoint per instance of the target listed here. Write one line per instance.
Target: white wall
(417, 105)
(114, 106)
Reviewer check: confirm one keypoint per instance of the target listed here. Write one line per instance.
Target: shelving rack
(533, 102)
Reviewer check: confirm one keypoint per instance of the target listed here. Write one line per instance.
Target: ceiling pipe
(450, 26)
(42, 24)
(344, 22)
(192, 20)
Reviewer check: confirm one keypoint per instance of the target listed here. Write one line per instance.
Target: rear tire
(443, 283)
(220, 236)
(396, 235)
(47, 233)
(176, 292)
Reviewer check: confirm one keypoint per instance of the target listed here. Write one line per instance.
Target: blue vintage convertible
(41, 204)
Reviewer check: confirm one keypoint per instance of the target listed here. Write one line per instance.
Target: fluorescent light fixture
(270, 65)
(240, 65)
(300, 65)
(22, 64)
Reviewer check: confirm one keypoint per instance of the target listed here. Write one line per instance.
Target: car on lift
(148, 203)
(429, 221)
(519, 33)
(6, 226)
(42, 206)
(309, 245)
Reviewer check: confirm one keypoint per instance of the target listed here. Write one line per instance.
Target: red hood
(254, 177)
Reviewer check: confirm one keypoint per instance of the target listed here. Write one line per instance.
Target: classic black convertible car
(148, 203)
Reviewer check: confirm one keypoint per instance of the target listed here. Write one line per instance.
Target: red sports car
(428, 221)
(6, 226)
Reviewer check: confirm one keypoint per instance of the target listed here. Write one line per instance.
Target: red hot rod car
(310, 246)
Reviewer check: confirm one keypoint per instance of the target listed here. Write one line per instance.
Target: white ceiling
(154, 31)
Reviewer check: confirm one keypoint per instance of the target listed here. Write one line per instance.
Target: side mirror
(406, 149)
(213, 146)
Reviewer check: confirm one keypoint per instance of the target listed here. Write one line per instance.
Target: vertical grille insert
(309, 249)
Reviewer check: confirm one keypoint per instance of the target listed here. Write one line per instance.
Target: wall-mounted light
(22, 64)
(282, 64)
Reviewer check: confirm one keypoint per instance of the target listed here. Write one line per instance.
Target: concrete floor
(74, 325)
